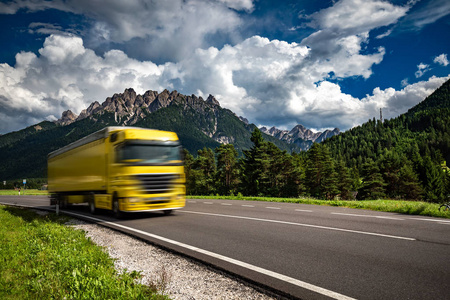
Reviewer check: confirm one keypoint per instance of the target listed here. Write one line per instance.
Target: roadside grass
(41, 258)
(30, 192)
(396, 206)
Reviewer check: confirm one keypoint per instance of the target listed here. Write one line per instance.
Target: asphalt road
(309, 252)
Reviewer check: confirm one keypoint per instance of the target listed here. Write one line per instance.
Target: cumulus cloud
(441, 59)
(66, 75)
(267, 81)
(153, 30)
(342, 35)
(396, 102)
(253, 78)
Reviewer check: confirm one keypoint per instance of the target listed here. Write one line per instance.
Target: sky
(322, 64)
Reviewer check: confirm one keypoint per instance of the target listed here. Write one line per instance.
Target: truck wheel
(63, 203)
(92, 208)
(116, 209)
(168, 212)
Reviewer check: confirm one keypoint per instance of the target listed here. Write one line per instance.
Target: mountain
(300, 135)
(199, 123)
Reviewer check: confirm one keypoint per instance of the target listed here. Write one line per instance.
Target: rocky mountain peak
(300, 135)
(212, 100)
(67, 117)
(129, 107)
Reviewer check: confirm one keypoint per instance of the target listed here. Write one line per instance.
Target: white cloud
(166, 30)
(422, 69)
(441, 59)
(383, 35)
(66, 75)
(267, 81)
(429, 13)
(239, 4)
(404, 82)
(396, 102)
(356, 16)
(343, 32)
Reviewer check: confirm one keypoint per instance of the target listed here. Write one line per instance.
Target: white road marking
(279, 276)
(304, 210)
(301, 224)
(246, 205)
(226, 204)
(208, 203)
(431, 220)
(269, 207)
(191, 201)
(367, 216)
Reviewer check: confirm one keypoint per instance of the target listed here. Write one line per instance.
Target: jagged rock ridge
(300, 135)
(129, 107)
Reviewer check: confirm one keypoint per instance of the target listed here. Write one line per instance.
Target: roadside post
(24, 183)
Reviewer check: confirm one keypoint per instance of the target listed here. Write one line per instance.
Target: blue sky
(322, 64)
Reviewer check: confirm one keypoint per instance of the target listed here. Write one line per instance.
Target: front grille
(157, 183)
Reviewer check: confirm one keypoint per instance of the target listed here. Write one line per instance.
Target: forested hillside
(414, 145)
(402, 158)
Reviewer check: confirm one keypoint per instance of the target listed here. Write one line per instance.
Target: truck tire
(91, 201)
(116, 209)
(168, 212)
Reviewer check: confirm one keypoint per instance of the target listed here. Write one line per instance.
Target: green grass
(41, 258)
(23, 192)
(396, 206)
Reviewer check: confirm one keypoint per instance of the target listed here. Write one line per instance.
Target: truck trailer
(123, 169)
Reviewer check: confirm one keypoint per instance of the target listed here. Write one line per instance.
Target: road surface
(306, 251)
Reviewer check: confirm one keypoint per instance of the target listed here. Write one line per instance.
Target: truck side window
(113, 137)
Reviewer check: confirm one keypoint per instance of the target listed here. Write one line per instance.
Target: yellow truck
(123, 169)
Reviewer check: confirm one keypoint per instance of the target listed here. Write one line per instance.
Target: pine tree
(188, 164)
(409, 186)
(434, 185)
(256, 166)
(373, 184)
(321, 179)
(227, 169)
(344, 181)
(203, 172)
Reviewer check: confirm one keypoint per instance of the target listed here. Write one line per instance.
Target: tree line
(265, 170)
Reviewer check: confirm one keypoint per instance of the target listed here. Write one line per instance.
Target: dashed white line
(431, 220)
(228, 204)
(208, 203)
(367, 216)
(246, 205)
(304, 210)
(302, 224)
(192, 201)
(271, 207)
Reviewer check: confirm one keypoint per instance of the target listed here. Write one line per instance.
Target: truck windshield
(144, 154)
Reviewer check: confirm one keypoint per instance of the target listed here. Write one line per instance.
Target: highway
(305, 251)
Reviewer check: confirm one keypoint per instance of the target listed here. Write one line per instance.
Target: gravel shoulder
(175, 276)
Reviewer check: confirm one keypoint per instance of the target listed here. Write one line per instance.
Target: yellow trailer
(123, 169)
